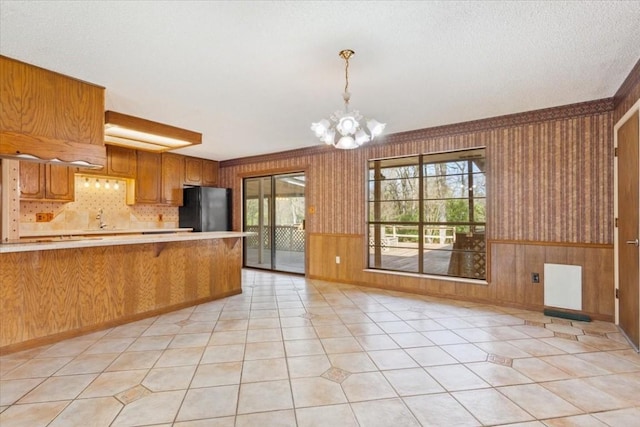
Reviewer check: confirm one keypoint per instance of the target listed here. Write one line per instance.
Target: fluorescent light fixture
(142, 134)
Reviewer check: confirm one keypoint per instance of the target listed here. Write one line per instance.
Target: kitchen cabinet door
(148, 176)
(59, 183)
(32, 176)
(40, 181)
(209, 173)
(192, 171)
(121, 162)
(172, 177)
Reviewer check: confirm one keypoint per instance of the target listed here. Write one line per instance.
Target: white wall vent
(563, 286)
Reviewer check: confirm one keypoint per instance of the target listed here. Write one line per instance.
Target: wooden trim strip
(50, 339)
(274, 171)
(627, 86)
(561, 244)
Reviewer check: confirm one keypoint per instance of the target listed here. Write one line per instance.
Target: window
(427, 214)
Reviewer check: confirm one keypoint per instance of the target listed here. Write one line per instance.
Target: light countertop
(71, 242)
(97, 232)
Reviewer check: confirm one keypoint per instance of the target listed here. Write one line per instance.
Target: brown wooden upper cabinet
(172, 173)
(121, 161)
(49, 115)
(200, 172)
(209, 173)
(48, 182)
(192, 171)
(159, 178)
(148, 176)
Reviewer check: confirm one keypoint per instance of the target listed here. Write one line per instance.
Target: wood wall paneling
(512, 264)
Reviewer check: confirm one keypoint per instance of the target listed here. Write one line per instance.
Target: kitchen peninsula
(69, 286)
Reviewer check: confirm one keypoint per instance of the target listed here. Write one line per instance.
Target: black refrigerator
(206, 209)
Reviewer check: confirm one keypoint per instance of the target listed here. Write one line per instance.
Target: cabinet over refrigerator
(206, 209)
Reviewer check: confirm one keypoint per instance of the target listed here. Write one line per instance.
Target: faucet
(100, 217)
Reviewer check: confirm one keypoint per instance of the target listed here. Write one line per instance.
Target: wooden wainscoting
(513, 262)
(46, 296)
(511, 265)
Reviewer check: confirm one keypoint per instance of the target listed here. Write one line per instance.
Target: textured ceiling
(252, 76)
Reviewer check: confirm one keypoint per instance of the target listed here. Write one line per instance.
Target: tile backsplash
(81, 214)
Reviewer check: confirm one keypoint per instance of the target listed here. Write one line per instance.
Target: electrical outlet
(535, 277)
(44, 216)
(337, 260)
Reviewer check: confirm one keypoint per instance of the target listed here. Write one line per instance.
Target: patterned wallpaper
(81, 213)
(550, 174)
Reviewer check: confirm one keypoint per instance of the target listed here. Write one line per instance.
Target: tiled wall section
(81, 214)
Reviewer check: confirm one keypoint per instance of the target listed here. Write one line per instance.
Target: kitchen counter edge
(120, 240)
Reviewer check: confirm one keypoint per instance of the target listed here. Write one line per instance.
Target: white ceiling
(252, 76)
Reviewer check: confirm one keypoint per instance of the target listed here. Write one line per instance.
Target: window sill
(430, 276)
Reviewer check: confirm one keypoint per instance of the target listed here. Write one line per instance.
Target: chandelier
(345, 131)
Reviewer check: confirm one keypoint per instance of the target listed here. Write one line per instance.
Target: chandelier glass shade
(347, 129)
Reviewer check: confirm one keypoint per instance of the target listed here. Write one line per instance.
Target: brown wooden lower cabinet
(50, 295)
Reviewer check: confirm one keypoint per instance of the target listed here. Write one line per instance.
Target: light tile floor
(297, 352)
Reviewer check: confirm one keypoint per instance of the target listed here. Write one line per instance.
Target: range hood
(142, 134)
(20, 146)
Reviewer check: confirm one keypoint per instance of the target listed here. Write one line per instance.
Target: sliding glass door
(274, 208)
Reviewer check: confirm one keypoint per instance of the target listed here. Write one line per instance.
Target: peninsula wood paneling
(11, 299)
(49, 295)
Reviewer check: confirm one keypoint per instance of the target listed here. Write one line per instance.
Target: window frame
(474, 228)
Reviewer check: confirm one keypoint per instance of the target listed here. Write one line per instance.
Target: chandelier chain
(346, 76)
